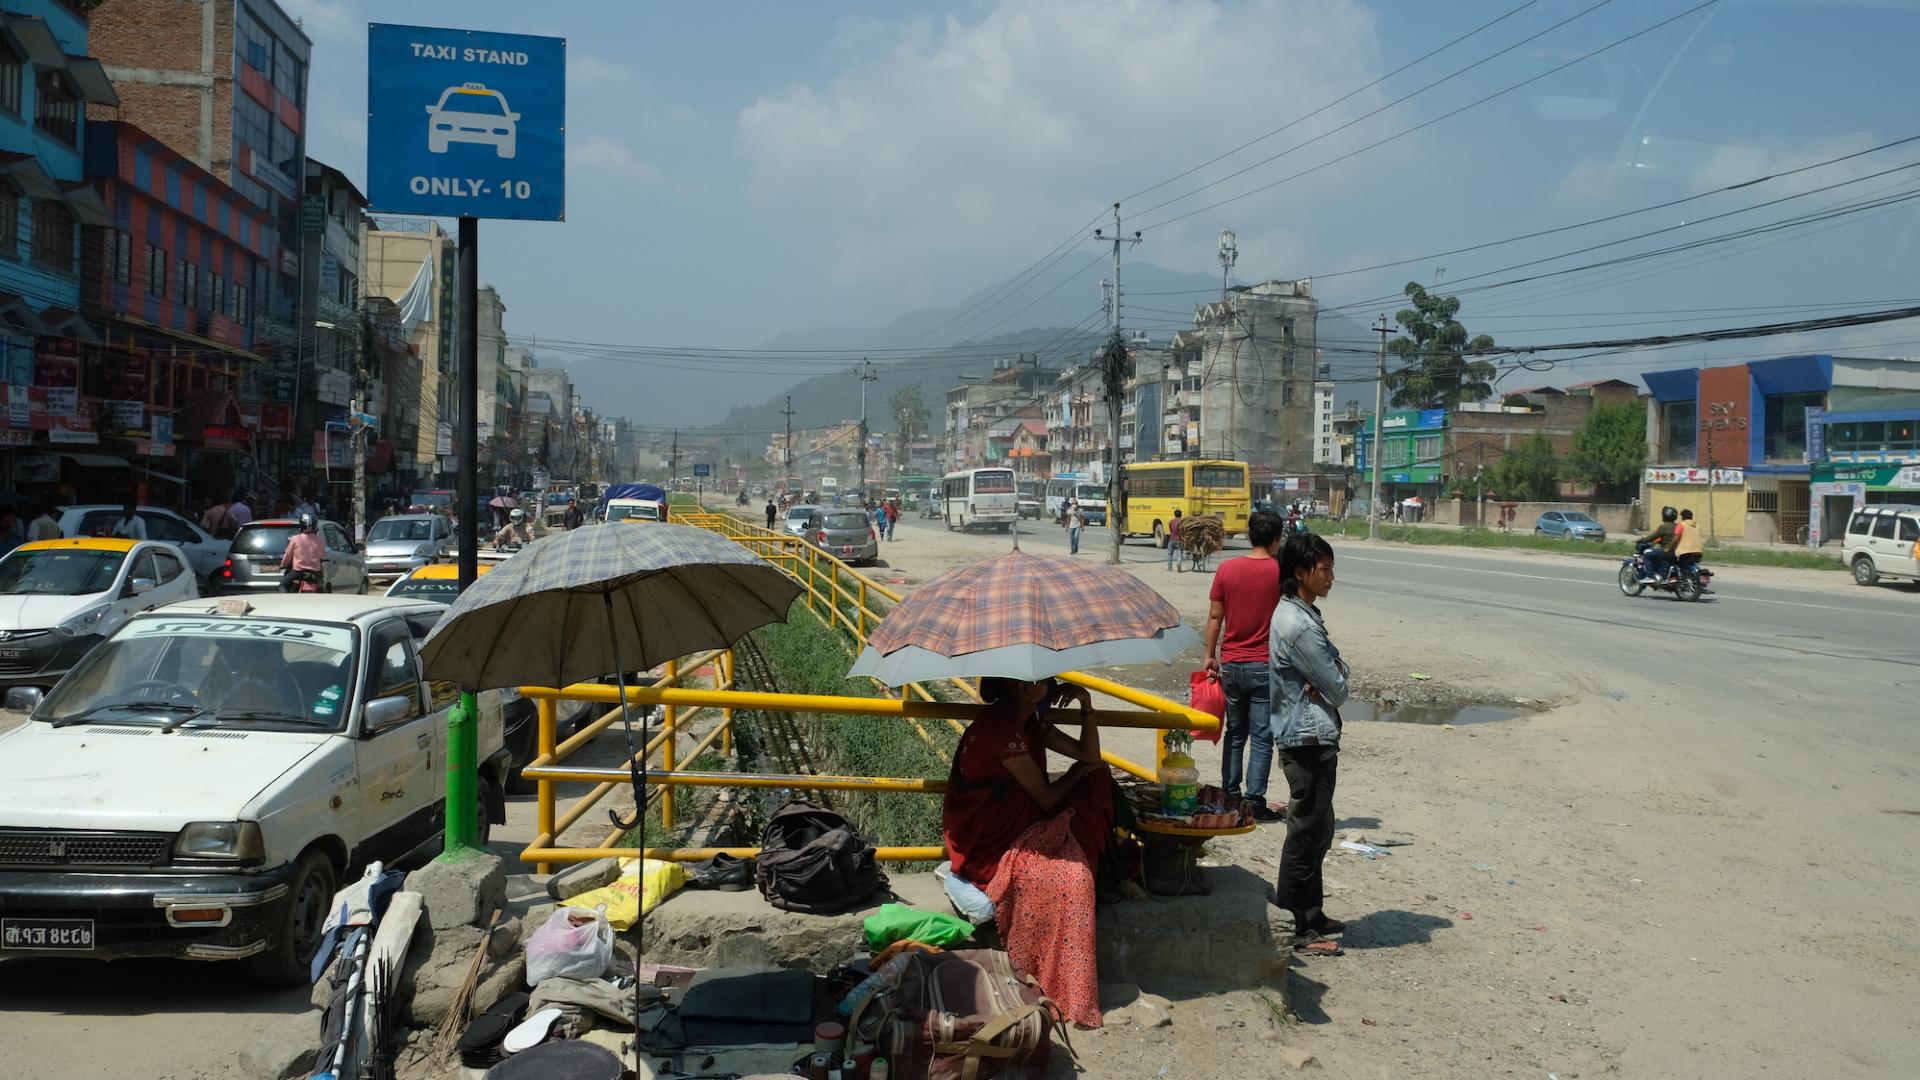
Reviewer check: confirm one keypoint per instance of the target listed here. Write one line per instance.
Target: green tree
(1437, 369)
(910, 421)
(1526, 473)
(1610, 449)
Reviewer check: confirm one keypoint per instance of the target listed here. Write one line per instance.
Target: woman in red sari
(1032, 842)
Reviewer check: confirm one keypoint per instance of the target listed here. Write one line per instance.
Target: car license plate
(846, 551)
(75, 935)
(270, 564)
(15, 654)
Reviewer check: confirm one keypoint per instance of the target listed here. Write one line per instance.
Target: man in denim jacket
(1308, 686)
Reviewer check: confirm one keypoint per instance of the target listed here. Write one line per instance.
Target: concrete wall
(1728, 519)
(1617, 517)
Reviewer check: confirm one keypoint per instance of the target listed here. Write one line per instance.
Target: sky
(740, 170)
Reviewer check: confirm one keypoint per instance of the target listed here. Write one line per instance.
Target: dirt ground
(1618, 882)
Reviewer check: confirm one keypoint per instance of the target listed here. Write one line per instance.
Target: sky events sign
(462, 123)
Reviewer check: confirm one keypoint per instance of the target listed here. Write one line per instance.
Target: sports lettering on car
(338, 639)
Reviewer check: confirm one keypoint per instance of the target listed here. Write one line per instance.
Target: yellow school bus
(1150, 492)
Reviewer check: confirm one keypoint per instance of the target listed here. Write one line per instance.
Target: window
(392, 672)
(157, 270)
(1786, 424)
(189, 283)
(1860, 525)
(1909, 529)
(1883, 527)
(1427, 449)
(243, 305)
(11, 69)
(9, 222)
(168, 528)
(167, 566)
(143, 568)
(1680, 430)
(337, 538)
(217, 294)
(120, 254)
(56, 110)
(52, 235)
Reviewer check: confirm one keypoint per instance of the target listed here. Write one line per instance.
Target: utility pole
(866, 376)
(359, 429)
(673, 457)
(788, 413)
(1379, 403)
(1113, 372)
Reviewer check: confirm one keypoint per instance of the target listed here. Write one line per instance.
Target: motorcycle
(304, 581)
(1685, 582)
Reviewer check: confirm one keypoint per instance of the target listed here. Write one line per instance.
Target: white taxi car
(471, 113)
(203, 781)
(60, 598)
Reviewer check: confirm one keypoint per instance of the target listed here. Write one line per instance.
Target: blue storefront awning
(1812, 374)
(1681, 385)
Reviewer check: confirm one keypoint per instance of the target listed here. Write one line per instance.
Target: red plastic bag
(1205, 695)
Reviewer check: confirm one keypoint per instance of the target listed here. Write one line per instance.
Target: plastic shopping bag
(573, 943)
(1205, 695)
(633, 893)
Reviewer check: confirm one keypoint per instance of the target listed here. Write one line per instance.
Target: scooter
(1685, 582)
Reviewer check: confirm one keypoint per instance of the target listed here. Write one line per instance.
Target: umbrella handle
(621, 824)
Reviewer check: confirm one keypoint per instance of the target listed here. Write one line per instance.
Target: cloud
(992, 139)
(598, 153)
(589, 68)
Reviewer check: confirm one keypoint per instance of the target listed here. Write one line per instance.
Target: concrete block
(463, 892)
(585, 877)
(437, 964)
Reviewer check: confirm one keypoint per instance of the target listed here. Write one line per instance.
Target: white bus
(980, 497)
(1092, 496)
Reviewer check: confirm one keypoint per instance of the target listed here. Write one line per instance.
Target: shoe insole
(531, 1032)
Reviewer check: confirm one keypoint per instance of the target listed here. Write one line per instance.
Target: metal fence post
(726, 715)
(667, 762)
(547, 731)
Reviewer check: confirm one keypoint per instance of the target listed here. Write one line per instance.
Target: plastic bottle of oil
(1179, 778)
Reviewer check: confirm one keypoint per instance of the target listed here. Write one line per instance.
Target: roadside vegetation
(1448, 536)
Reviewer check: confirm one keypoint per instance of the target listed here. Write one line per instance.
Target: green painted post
(463, 779)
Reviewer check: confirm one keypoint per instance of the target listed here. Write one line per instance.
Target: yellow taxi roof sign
(445, 571)
(81, 543)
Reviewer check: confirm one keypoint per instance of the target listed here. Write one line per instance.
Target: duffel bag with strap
(963, 1015)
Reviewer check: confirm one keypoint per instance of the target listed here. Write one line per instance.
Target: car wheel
(1538, 531)
(487, 792)
(290, 951)
(1864, 572)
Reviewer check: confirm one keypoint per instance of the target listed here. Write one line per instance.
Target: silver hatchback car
(848, 534)
(401, 543)
(253, 562)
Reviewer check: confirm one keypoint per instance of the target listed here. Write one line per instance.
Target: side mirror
(140, 585)
(385, 712)
(24, 699)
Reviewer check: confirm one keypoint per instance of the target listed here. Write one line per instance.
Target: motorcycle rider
(1690, 543)
(306, 556)
(1658, 560)
(515, 531)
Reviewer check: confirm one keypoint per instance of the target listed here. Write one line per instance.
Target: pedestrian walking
(573, 518)
(880, 520)
(44, 526)
(1173, 540)
(1076, 520)
(892, 510)
(1239, 618)
(772, 512)
(240, 510)
(1307, 684)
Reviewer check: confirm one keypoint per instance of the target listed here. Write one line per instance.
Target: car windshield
(992, 482)
(1219, 476)
(640, 513)
(243, 671)
(471, 101)
(59, 572)
(268, 540)
(801, 513)
(847, 521)
(442, 590)
(1090, 492)
(429, 498)
(402, 529)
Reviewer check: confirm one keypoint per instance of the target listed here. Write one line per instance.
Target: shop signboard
(313, 213)
(1816, 433)
(1696, 476)
(464, 123)
(1873, 476)
(276, 422)
(76, 428)
(127, 415)
(18, 365)
(36, 469)
(703, 470)
(319, 457)
(149, 448)
(19, 407)
(15, 437)
(162, 431)
(63, 400)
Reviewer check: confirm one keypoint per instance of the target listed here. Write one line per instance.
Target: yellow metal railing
(839, 596)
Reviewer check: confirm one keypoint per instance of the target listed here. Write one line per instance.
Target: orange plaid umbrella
(1025, 617)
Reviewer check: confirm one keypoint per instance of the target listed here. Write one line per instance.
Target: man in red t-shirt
(1245, 592)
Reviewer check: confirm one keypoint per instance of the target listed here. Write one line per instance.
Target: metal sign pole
(463, 805)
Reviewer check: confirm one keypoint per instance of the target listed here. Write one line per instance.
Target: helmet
(517, 515)
(1668, 513)
(309, 523)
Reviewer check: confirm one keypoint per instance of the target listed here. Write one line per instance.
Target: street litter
(1485, 867)
(1466, 914)
(1418, 675)
(1368, 850)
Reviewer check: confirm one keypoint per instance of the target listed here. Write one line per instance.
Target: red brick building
(1479, 434)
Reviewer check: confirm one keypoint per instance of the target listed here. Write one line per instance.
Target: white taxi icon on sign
(471, 113)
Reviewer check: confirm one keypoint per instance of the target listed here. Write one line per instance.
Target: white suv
(1883, 541)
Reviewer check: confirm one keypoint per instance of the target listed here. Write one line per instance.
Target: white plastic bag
(573, 943)
(968, 900)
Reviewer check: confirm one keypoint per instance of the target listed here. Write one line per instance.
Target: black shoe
(1265, 813)
(723, 872)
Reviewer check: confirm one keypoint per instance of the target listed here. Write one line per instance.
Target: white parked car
(1883, 541)
(60, 598)
(206, 553)
(202, 783)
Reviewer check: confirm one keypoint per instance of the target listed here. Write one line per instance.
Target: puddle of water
(1428, 714)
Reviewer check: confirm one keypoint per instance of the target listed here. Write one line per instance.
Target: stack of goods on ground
(1201, 535)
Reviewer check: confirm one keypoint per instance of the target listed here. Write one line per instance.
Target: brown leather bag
(962, 1015)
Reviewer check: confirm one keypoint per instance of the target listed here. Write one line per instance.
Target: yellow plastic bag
(633, 894)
